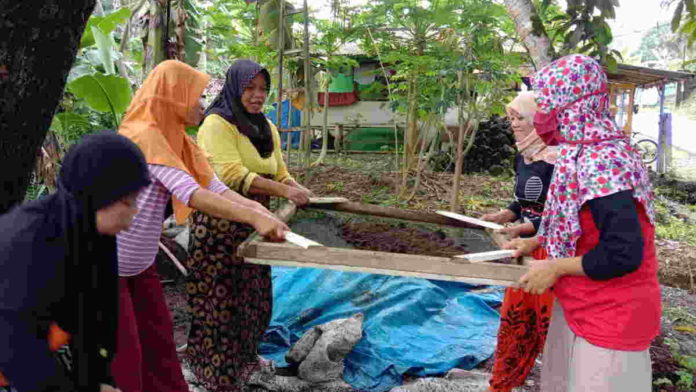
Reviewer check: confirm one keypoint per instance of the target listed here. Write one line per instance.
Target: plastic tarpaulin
(294, 115)
(412, 326)
(291, 114)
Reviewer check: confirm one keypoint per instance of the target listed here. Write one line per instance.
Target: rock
(299, 351)
(321, 351)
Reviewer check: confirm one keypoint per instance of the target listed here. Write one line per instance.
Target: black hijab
(228, 105)
(56, 267)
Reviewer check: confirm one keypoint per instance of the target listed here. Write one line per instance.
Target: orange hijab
(155, 121)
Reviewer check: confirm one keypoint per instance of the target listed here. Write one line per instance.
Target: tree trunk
(38, 47)
(155, 50)
(454, 200)
(324, 130)
(531, 31)
(411, 140)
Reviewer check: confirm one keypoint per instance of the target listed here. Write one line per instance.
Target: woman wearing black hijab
(58, 270)
(232, 301)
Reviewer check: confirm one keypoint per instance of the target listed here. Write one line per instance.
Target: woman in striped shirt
(168, 101)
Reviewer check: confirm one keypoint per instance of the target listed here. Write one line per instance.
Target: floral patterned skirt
(231, 304)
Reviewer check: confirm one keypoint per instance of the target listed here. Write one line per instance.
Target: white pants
(571, 364)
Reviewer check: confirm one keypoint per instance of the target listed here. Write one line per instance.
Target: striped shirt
(138, 246)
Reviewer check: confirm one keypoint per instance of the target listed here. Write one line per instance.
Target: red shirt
(621, 313)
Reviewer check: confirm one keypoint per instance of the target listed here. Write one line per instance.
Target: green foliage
(432, 44)
(35, 190)
(103, 93)
(684, 19)
(103, 24)
(194, 32)
(660, 46)
(670, 227)
(687, 363)
(230, 32)
(69, 127)
(582, 28)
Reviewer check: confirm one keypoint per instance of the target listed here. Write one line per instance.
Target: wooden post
(281, 50)
(628, 128)
(680, 93)
(307, 134)
(338, 143)
(661, 135)
(454, 200)
(667, 124)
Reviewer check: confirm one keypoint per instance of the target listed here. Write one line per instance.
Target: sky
(634, 18)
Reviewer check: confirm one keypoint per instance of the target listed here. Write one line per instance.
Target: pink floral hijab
(595, 158)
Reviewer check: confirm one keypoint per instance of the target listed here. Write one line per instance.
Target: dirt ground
(370, 179)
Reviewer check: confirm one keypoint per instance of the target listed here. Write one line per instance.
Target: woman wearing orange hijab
(169, 100)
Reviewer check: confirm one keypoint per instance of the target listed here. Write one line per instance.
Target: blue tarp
(413, 326)
(291, 114)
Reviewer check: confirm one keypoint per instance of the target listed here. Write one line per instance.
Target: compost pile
(386, 237)
(492, 152)
(493, 149)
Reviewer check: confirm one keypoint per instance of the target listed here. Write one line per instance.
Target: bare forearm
(508, 215)
(264, 186)
(569, 266)
(527, 228)
(221, 207)
(237, 198)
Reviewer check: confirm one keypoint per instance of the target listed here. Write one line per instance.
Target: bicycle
(646, 147)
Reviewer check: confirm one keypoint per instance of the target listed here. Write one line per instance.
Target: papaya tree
(332, 35)
(403, 31)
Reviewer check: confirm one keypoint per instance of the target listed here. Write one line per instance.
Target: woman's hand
(522, 246)
(294, 184)
(269, 226)
(515, 231)
(541, 276)
(108, 388)
(502, 216)
(296, 195)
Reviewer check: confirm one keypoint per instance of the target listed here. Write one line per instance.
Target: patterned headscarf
(531, 147)
(595, 160)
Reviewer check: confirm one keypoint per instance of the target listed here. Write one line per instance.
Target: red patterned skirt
(524, 322)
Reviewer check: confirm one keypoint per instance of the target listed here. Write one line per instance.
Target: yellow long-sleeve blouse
(235, 159)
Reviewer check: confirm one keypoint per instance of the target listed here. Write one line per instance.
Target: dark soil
(665, 366)
(177, 301)
(386, 237)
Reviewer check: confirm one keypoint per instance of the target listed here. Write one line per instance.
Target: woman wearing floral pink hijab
(598, 229)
